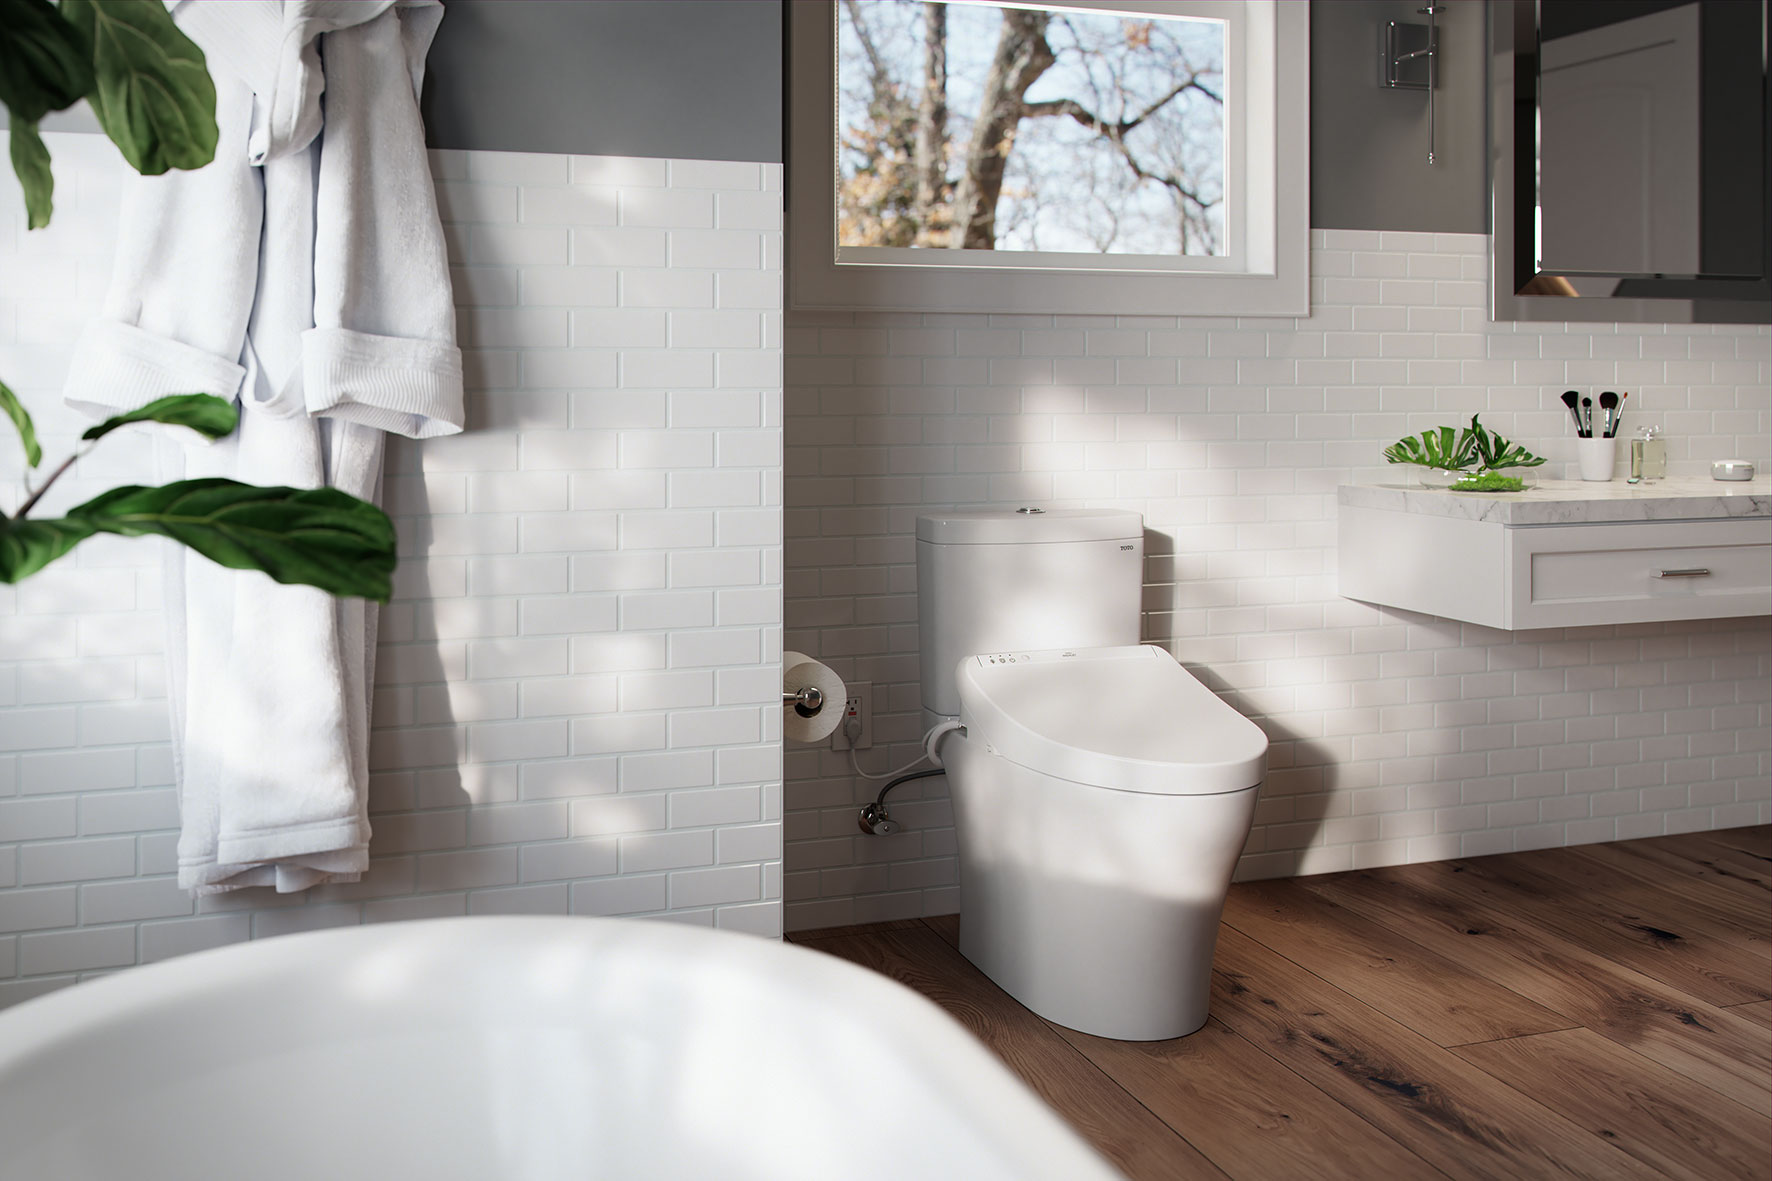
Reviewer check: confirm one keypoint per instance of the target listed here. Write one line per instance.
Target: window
(1086, 157)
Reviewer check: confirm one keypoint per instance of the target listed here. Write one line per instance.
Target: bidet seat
(1101, 799)
(1127, 718)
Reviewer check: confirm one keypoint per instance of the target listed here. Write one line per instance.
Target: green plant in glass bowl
(1473, 456)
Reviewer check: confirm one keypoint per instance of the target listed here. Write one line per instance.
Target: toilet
(1101, 794)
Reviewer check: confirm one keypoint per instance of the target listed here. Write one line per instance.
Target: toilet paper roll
(799, 671)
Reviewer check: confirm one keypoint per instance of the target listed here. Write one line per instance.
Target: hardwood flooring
(1602, 1011)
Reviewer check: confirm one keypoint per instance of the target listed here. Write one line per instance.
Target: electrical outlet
(860, 705)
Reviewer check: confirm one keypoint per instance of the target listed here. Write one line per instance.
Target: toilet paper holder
(809, 687)
(806, 702)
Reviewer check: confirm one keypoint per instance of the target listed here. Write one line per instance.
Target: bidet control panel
(1053, 655)
(1022, 657)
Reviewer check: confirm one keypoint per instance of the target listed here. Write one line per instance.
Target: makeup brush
(1569, 400)
(1608, 404)
(1587, 418)
(1618, 418)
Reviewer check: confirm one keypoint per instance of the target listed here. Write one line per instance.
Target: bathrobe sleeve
(174, 318)
(382, 350)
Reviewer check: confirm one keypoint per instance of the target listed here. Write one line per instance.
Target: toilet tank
(992, 580)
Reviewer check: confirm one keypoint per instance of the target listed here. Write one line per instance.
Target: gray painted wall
(689, 79)
(78, 117)
(702, 79)
(1369, 168)
(685, 79)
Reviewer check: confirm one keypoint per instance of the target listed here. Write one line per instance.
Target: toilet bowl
(1101, 799)
(1101, 793)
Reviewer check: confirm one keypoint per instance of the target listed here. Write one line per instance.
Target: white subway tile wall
(1395, 737)
(575, 709)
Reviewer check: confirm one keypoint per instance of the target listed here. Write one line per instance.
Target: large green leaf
(30, 160)
(1441, 448)
(153, 97)
(1494, 452)
(45, 64)
(312, 536)
(21, 419)
(204, 413)
(28, 546)
(1455, 451)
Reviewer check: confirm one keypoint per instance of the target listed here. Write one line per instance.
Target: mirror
(1629, 161)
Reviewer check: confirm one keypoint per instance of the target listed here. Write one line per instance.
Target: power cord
(855, 763)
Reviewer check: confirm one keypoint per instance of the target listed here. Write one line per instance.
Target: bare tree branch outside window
(1022, 128)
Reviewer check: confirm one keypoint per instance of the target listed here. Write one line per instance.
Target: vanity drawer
(1571, 575)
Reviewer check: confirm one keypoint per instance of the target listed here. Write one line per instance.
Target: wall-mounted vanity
(1562, 553)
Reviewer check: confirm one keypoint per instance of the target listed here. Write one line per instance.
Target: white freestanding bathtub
(511, 1049)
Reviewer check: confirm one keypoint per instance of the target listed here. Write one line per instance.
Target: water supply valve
(875, 822)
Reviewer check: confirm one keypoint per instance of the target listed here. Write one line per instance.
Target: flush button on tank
(1030, 511)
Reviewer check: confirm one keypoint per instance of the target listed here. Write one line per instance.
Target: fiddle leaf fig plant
(208, 416)
(21, 419)
(45, 65)
(1475, 452)
(149, 85)
(154, 96)
(317, 537)
(146, 81)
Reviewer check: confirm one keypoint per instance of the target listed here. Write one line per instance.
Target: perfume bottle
(1648, 456)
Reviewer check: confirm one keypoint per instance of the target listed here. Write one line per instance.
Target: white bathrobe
(304, 273)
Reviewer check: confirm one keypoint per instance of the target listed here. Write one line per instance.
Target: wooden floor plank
(1251, 1115)
(1708, 1044)
(1702, 881)
(1388, 971)
(1657, 1115)
(1465, 1123)
(1755, 839)
(819, 933)
(1686, 956)
(947, 926)
(1333, 994)
(1621, 897)
(1136, 1141)
(1745, 865)
(1248, 1114)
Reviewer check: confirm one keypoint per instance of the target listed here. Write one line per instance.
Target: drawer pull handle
(1695, 572)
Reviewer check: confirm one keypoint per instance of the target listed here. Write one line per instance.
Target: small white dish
(1731, 469)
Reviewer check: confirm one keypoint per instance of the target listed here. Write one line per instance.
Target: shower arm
(1392, 62)
(1433, 63)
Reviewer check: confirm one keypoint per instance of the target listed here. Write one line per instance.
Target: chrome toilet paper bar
(807, 701)
(806, 688)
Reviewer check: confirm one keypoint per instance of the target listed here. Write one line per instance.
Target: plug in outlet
(859, 707)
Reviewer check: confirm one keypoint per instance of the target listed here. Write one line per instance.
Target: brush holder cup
(1595, 458)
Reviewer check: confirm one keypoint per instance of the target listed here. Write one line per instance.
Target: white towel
(317, 288)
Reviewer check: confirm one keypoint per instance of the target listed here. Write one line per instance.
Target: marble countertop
(1573, 502)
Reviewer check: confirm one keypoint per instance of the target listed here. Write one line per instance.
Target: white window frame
(1265, 273)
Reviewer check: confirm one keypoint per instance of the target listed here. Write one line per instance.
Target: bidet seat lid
(1128, 718)
(1028, 526)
